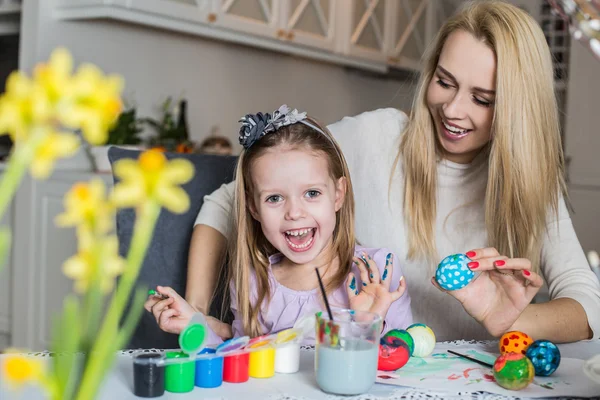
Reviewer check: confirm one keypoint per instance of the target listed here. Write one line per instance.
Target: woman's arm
(574, 311)
(208, 246)
(560, 321)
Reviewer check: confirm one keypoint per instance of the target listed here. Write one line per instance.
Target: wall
(583, 144)
(222, 81)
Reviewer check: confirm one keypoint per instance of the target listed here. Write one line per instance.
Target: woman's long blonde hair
(526, 162)
(250, 250)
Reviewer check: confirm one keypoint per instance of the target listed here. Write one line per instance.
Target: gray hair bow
(255, 126)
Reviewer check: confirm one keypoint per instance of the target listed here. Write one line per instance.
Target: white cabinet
(311, 23)
(5, 284)
(367, 34)
(39, 250)
(257, 17)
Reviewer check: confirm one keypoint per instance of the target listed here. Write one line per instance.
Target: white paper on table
(446, 372)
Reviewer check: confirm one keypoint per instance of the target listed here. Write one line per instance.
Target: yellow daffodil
(54, 146)
(153, 177)
(97, 103)
(102, 254)
(55, 76)
(87, 206)
(23, 106)
(18, 369)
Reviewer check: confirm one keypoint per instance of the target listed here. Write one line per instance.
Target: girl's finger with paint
(386, 277)
(373, 268)
(362, 268)
(351, 286)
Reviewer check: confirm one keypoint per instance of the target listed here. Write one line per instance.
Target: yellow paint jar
(262, 362)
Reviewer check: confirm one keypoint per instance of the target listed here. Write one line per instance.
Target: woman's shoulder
(383, 122)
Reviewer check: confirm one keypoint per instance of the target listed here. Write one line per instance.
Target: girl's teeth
(299, 232)
(301, 246)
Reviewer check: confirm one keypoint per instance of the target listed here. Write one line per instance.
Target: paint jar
(262, 363)
(179, 374)
(287, 352)
(209, 371)
(235, 368)
(148, 374)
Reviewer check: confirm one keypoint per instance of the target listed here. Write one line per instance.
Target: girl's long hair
(526, 162)
(250, 250)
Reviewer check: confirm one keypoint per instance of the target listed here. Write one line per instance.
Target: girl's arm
(208, 246)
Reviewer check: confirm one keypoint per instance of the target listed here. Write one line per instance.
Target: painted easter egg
(405, 336)
(545, 357)
(513, 371)
(453, 273)
(393, 353)
(514, 342)
(424, 339)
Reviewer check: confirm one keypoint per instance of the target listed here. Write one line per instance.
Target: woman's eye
(481, 102)
(311, 194)
(443, 84)
(274, 199)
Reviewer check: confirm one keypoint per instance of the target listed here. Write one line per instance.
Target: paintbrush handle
(471, 359)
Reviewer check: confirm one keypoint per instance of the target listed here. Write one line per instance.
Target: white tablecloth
(299, 386)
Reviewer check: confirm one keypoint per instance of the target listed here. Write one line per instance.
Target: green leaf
(68, 365)
(5, 240)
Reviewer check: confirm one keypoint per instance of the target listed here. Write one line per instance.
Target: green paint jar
(179, 376)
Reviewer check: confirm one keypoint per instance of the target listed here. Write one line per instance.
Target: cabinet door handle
(212, 17)
(290, 35)
(280, 33)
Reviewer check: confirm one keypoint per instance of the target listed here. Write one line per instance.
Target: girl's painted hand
(374, 295)
(500, 293)
(172, 314)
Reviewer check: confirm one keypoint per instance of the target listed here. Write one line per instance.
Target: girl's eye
(274, 199)
(311, 194)
(481, 102)
(443, 84)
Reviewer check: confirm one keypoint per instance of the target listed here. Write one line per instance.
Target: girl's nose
(294, 210)
(455, 108)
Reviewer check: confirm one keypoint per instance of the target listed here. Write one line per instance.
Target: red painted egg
(393, 354)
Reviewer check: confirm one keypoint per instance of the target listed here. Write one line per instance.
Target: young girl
(294, 212)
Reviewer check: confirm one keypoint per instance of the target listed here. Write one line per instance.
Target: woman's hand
(374, 296)
(500, 293)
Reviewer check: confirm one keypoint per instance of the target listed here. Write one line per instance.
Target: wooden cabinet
(368, 34)
(39, 250)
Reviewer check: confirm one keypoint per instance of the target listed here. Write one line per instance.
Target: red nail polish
(499, 263)
(471, 254)
(526, 273)
(473, 265)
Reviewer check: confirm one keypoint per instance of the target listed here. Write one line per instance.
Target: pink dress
(287, 305)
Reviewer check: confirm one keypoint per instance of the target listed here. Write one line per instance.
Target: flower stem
(103, 349)
(17, 165)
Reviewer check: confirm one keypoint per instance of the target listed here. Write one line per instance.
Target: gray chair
(166, 260)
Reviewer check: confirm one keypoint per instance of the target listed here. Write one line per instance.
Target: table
(299, 386)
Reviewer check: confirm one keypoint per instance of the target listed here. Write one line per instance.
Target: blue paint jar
(209, 371)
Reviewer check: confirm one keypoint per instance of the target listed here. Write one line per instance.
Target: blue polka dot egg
(544, 356)
(453, 272)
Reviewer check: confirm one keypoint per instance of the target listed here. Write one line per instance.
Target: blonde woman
(477, 168)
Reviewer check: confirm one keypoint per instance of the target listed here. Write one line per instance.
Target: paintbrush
(156, 294)
(324, 295)
(471, 359)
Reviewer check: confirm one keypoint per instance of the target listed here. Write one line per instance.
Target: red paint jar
(235, 368)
